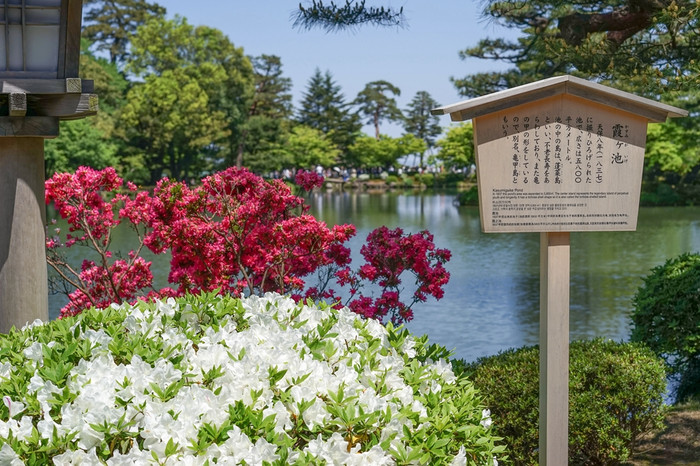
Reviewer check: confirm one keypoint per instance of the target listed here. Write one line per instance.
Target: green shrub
(469, 197)
(666, 317)
(392, 179)
(211, 379)
(445, 180)
(427, 179)
(662, 195)
(615, 395)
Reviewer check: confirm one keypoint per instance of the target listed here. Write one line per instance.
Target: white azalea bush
(221, 380)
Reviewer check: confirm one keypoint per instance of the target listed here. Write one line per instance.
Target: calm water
(492, 300)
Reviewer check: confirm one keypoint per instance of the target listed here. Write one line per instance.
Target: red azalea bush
(235, 233)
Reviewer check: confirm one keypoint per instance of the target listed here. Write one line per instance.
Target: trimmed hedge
(615, 395)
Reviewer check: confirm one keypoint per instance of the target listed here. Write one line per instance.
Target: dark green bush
(469, 197)
(666, 317)
(427, 179)
(615, 395)
(661, 195)
(392, 179)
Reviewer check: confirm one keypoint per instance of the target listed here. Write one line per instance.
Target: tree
(420, 122)
(269, 108)
(110, 24)
(79, 143)
(209, 62)
(650, 46)
(377, 105)
(307, 147)
(207, 56)
(110, 83)
(457, 147)
(168, 119)
(323, 107)
(384, 152)
(671, 148)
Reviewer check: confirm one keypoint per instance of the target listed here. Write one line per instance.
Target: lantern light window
(29, 35)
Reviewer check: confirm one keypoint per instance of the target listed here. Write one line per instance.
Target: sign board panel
(561, 163)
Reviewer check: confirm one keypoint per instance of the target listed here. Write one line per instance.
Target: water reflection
(492, 300)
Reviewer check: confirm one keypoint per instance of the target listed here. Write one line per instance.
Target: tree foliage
(457, 147)
(420, 122)
(331, 16)
(616, 393)
(376, 104)
(307, 147)
(666, 316)
(324, 108)
(110, 24)
(671, 148)
(269, 107)
(169, 120)
(384, 152)
(185, 115)
(79, 143)
(650, 46)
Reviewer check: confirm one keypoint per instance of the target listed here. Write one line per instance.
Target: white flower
(443, 368)
(47, 425)
(23, 430)
(99, 338)
(173, 395)
(9, 457)
(15, 407)
(77, 457)
(29, 325)
(34, 352)
(166, 307)
(6, 370)
(461, 458)
(486, 418)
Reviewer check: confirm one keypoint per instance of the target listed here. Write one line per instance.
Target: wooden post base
(554, 348)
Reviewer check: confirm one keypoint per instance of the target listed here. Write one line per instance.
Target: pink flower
(308, 180)
(235, 233)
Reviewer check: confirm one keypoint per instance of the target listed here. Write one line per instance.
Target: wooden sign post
(556, 156)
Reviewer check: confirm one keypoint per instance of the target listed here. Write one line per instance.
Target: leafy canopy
(110, 24)
(324, 108)
(648, 46)
(376, 104)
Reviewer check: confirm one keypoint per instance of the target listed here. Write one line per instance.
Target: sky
(421, 56)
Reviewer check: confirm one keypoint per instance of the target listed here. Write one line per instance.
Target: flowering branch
(235, 233)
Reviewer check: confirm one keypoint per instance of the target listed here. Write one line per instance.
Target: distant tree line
(647, 47)
(183, 101)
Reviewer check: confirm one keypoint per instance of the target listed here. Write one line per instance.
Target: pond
(492, 300)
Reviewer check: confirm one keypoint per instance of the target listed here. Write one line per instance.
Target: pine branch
(333, 17)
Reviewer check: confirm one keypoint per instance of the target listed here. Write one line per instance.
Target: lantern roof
(651, 110)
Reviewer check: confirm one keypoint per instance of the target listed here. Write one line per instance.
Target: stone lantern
(39, 86)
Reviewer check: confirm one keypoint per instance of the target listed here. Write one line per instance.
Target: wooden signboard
(559, 164)
(561, 154)
(556, 156)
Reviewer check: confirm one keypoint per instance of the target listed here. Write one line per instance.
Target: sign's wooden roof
(647, 108)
